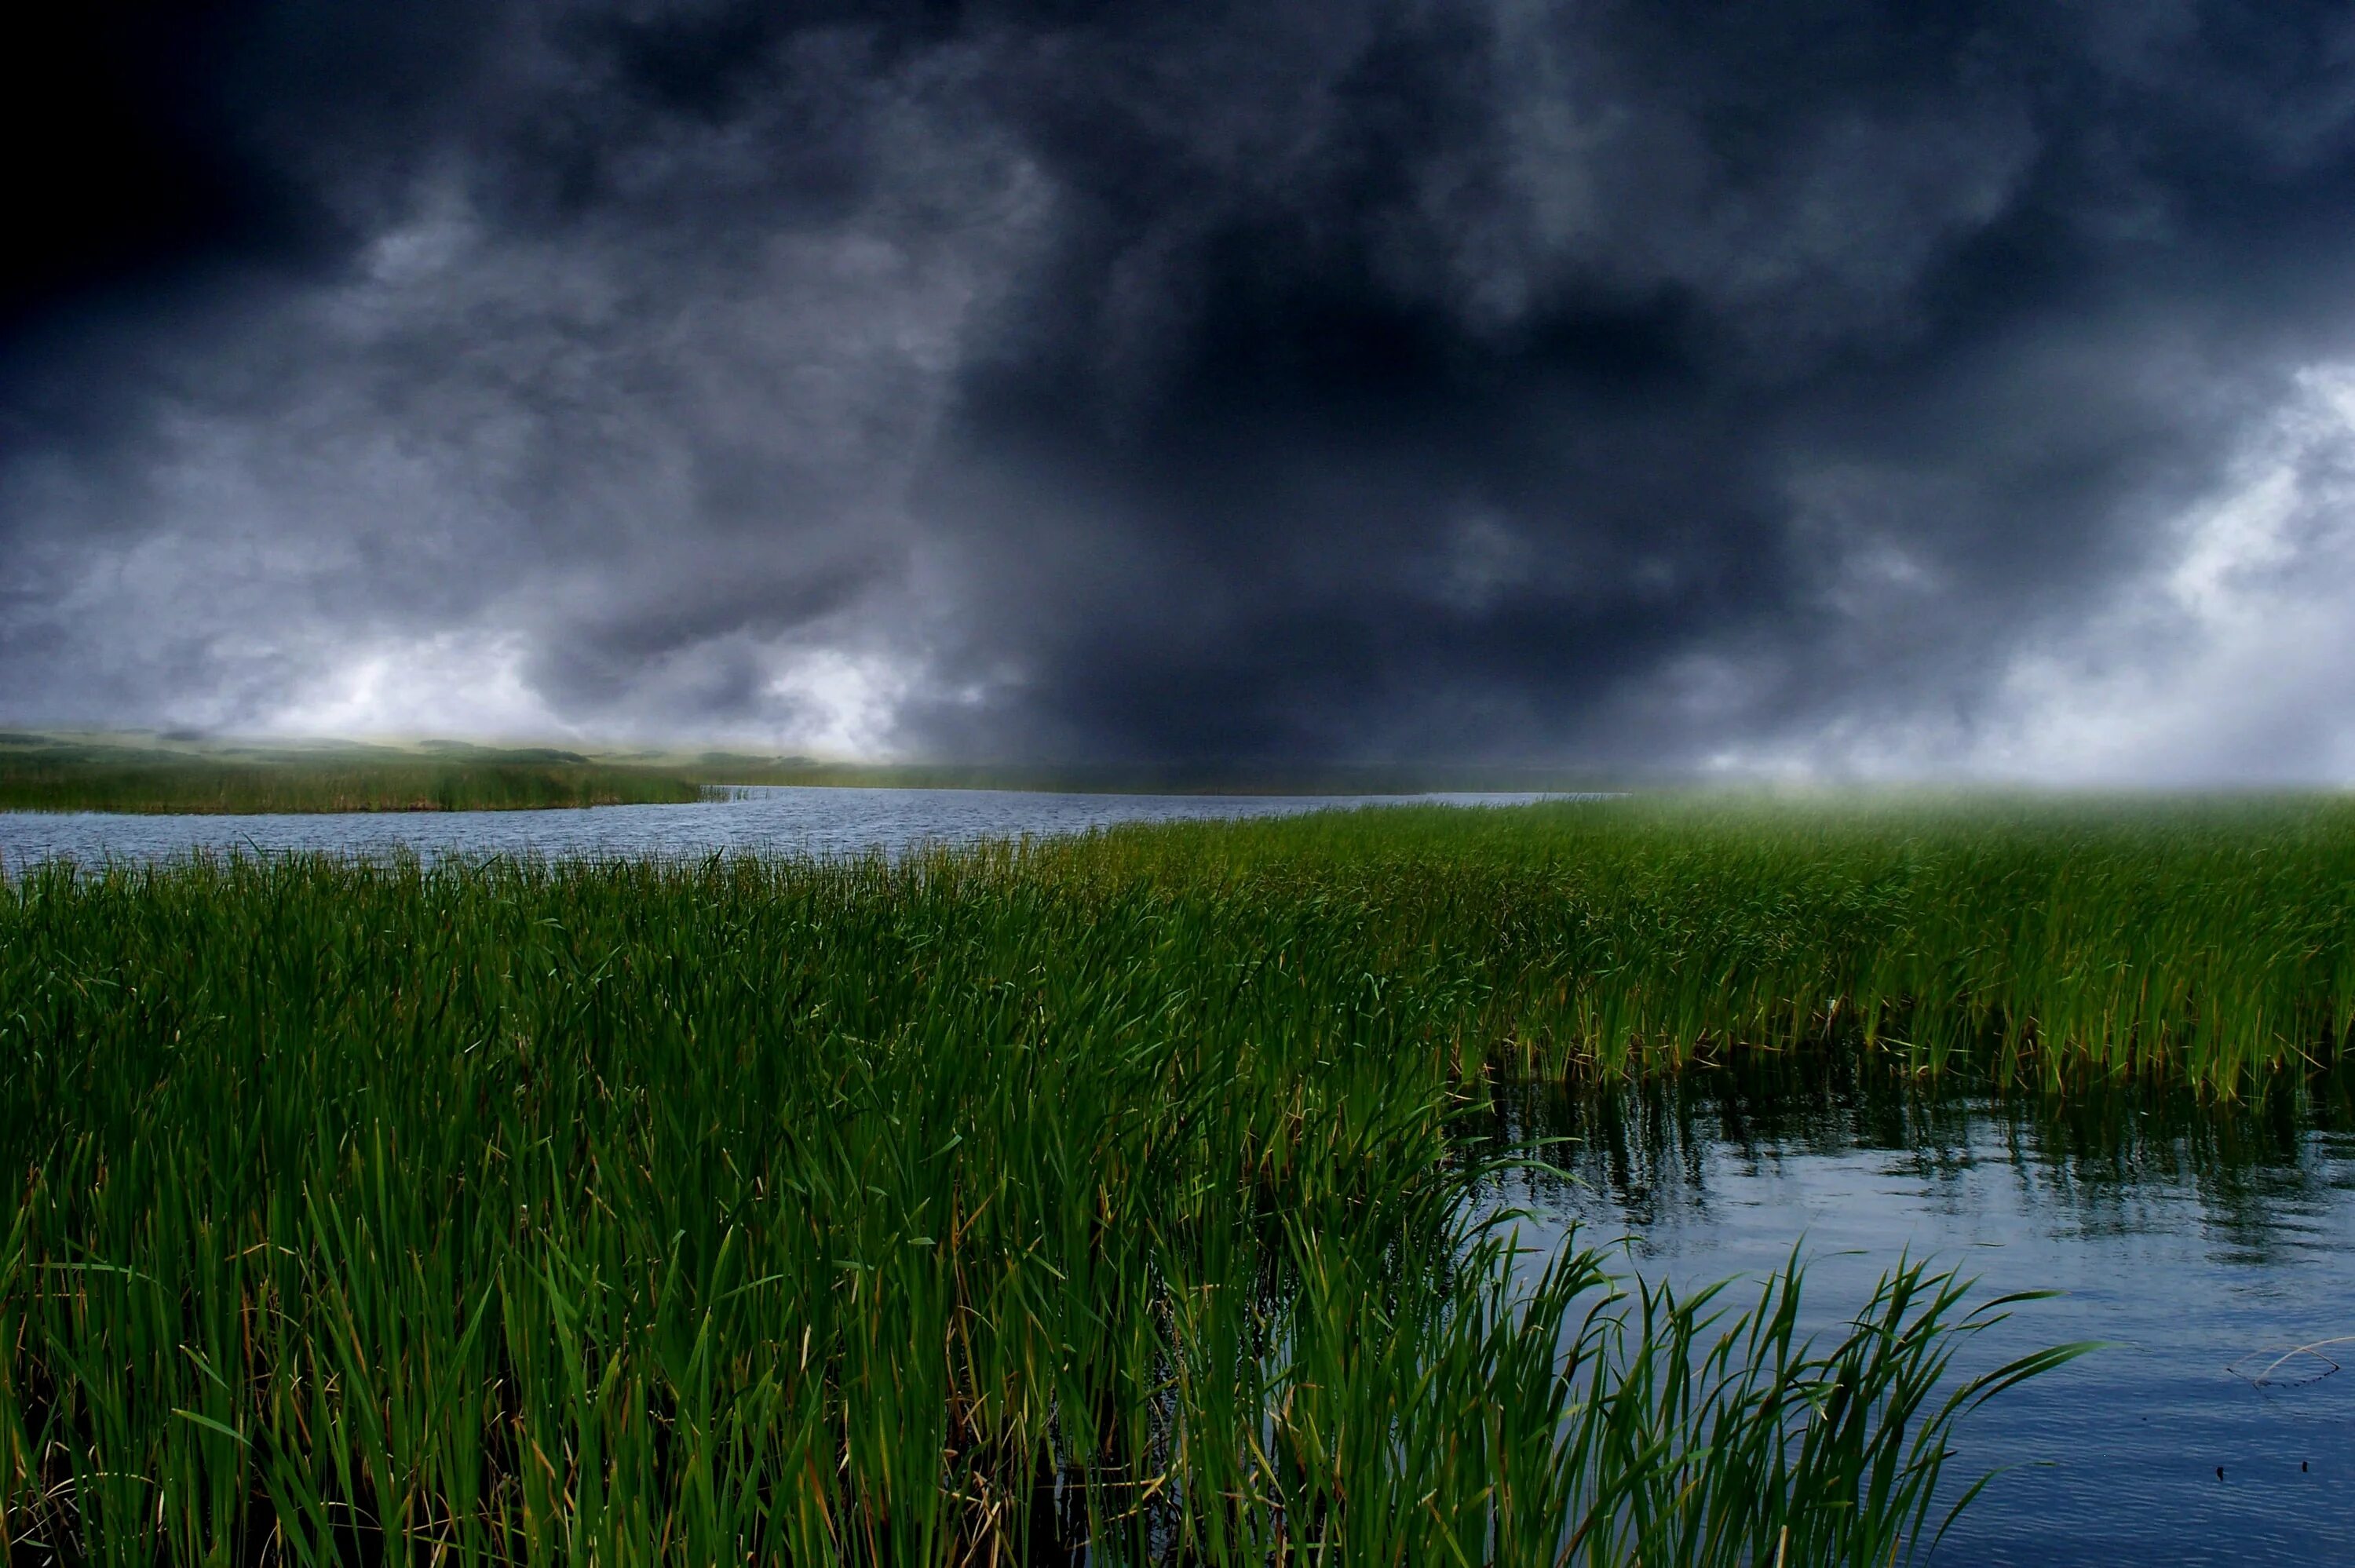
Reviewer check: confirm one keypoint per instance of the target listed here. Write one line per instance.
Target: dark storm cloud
(1825, 382)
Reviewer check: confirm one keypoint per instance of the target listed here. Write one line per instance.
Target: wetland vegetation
(1123, 1192)
(47, 773)
(191, 773)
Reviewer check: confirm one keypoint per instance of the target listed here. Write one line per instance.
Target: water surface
(767, 818)
(2205, 1240)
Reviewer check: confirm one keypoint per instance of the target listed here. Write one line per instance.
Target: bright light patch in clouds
(2224, 662)
(819, 702)
(844, 705)
(2231, 661)
(449, 686)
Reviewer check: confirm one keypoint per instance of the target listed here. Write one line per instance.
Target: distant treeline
(43, 774)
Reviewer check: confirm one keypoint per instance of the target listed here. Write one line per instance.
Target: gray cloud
(1827, 386)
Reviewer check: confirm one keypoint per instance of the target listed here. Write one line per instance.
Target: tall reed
(968, 1208)
(2055, 940)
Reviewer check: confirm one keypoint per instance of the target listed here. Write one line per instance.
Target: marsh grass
(2055, 940)
(38, 774)
(1120, 1194)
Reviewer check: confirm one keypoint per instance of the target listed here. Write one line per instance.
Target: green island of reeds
(1117, 1192)
(44, 773)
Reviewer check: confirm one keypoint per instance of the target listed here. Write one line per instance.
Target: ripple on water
(2196, 1237)
(758, 818)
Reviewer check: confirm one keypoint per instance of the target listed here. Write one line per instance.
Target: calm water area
(2209, 1242)
(764, 818)
(2206, 1242)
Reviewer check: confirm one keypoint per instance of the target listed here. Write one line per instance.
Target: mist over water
(2206, 1241)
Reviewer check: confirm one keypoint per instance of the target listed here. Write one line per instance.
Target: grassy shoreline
(161, 774)
(1115, 1189)
(38, 774)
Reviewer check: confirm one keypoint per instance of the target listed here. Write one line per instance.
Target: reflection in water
(2204, 1240)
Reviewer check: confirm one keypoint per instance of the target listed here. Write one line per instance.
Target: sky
(1812, 390)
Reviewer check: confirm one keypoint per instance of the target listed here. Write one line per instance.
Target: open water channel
(2214, 1245)
(2207, 1242)
(780, 818)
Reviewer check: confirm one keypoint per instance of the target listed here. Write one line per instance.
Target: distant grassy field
(147, 773)
(44, 774)
(1117, 1190)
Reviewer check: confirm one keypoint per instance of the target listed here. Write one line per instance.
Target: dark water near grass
(2207, 1240)
(761, 818)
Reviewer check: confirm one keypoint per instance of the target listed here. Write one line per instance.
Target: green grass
(1120, 1189)
(178, 772)
(2208, 940)
(44, 774)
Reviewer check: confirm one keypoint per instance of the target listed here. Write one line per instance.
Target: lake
(754, 819)
(2208, 1241)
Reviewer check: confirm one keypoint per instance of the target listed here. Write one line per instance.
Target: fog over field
(1821, 387)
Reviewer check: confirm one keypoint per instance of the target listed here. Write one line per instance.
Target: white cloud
(822, 702)
(2224, 661)
(450, 684)
(844, 705)
(2227, 662)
